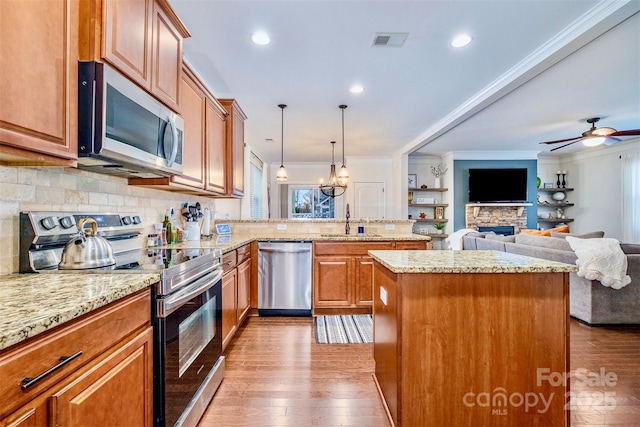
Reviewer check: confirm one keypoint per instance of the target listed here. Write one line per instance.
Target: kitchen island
(471, 338)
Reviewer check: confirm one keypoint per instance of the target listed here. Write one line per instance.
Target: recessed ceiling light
(260, 38)
(356, 89)
(461, 40)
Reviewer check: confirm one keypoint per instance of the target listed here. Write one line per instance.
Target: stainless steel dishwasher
(284, 278)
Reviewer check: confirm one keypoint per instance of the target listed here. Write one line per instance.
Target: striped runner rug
(346, 329)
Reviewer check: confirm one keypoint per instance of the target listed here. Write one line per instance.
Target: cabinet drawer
(244, 253)
(91, 334)
(349, 248)
(229, 261)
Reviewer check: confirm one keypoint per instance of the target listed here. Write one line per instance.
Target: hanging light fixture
(343, 175)
(281, 175)
(333, 188)
(337, 182)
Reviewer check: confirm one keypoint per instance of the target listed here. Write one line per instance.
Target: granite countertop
(234, 241)
(466, 262)
(33, 303)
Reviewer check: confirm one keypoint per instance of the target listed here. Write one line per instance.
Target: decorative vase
(558, 196)
(436, 182)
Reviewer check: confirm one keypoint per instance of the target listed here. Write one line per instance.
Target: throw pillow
(561, 229)
(591, 235)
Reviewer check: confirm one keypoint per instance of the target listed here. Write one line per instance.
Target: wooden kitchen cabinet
(39, 101)
(244, 283)
(234, 147)
(203, 156)
(343, 271)
(114, 370)
(142, 38)
(229, 302)
(342, 274)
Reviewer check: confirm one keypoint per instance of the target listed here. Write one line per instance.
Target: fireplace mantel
(519, 207)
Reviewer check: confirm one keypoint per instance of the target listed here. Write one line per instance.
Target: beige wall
(69, 189)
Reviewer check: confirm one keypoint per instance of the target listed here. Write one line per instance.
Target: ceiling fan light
(260, 38)
(593, 141)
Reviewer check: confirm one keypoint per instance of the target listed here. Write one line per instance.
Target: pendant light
(281, 175)
(333, 188)
(343, 175)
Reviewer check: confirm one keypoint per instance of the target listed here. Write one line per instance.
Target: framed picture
(549, 185)
(413, 179)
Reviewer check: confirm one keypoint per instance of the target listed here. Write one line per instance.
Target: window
(309, 202)
(255, 187)
(631, 198)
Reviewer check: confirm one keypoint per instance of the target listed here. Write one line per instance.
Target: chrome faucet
(347, 229)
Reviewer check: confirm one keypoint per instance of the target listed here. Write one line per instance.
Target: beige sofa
(589, 300)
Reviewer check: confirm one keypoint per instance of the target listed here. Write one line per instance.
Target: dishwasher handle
(286, 251)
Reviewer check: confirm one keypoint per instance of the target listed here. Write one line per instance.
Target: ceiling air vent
(389, 39)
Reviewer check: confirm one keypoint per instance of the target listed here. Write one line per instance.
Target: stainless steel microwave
(123, 130)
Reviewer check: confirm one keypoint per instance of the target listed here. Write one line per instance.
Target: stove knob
(49, 222)
(67, 222)
(126, 220)
(136, 219)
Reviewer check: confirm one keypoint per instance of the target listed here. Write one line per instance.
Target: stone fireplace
(495, 215)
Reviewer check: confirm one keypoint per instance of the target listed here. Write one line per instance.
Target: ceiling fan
(594, 136)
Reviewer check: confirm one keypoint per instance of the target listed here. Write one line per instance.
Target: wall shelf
(439, 190)
(430, 220)
(554, 205)
(554, 190)
(555, 220)
(429, 205)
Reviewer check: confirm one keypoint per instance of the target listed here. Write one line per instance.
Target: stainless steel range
(187, 303)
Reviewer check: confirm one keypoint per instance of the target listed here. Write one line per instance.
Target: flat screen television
(497, 185)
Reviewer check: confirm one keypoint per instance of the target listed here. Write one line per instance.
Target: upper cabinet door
(38, 88)
(143, 39)
(192, 102)
(215, 143)
(235, 147)
(167, 59)
(127, 38)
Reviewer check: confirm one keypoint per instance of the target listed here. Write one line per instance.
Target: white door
(369, 200)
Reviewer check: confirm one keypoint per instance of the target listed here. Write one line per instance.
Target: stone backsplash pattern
(70, 189)
(491, 216)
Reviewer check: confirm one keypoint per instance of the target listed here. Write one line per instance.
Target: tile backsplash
(70, 189)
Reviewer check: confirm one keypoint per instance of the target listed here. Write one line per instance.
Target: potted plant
(439, 226)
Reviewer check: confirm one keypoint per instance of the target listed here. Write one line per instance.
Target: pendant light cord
(342, 107)
(282, 107)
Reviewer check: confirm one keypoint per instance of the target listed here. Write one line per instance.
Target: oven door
(188, 343)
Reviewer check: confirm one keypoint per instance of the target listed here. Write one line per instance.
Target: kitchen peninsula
(464, 338)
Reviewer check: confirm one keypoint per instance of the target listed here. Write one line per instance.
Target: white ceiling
(502, 92)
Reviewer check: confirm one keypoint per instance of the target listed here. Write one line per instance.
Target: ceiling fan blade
(630, 132)
(558, 141)
(562, 146)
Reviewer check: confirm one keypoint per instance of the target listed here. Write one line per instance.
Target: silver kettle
(87, 249)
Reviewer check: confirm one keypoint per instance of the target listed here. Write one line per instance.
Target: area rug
(347, 329)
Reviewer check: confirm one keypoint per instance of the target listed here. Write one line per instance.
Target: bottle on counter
(360, 228)
(167, 230)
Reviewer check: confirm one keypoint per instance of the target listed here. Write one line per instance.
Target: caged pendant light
(337, 184)
(281, 175)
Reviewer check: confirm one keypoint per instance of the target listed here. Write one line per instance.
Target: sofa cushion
(590, 235)
(500, 237)
(489, 245)
(567, 257)
(630, 248)
(543, 241)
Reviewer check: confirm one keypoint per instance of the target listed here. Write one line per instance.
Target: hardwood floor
(278, 376)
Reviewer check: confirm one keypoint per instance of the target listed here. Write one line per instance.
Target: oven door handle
(168, 305)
